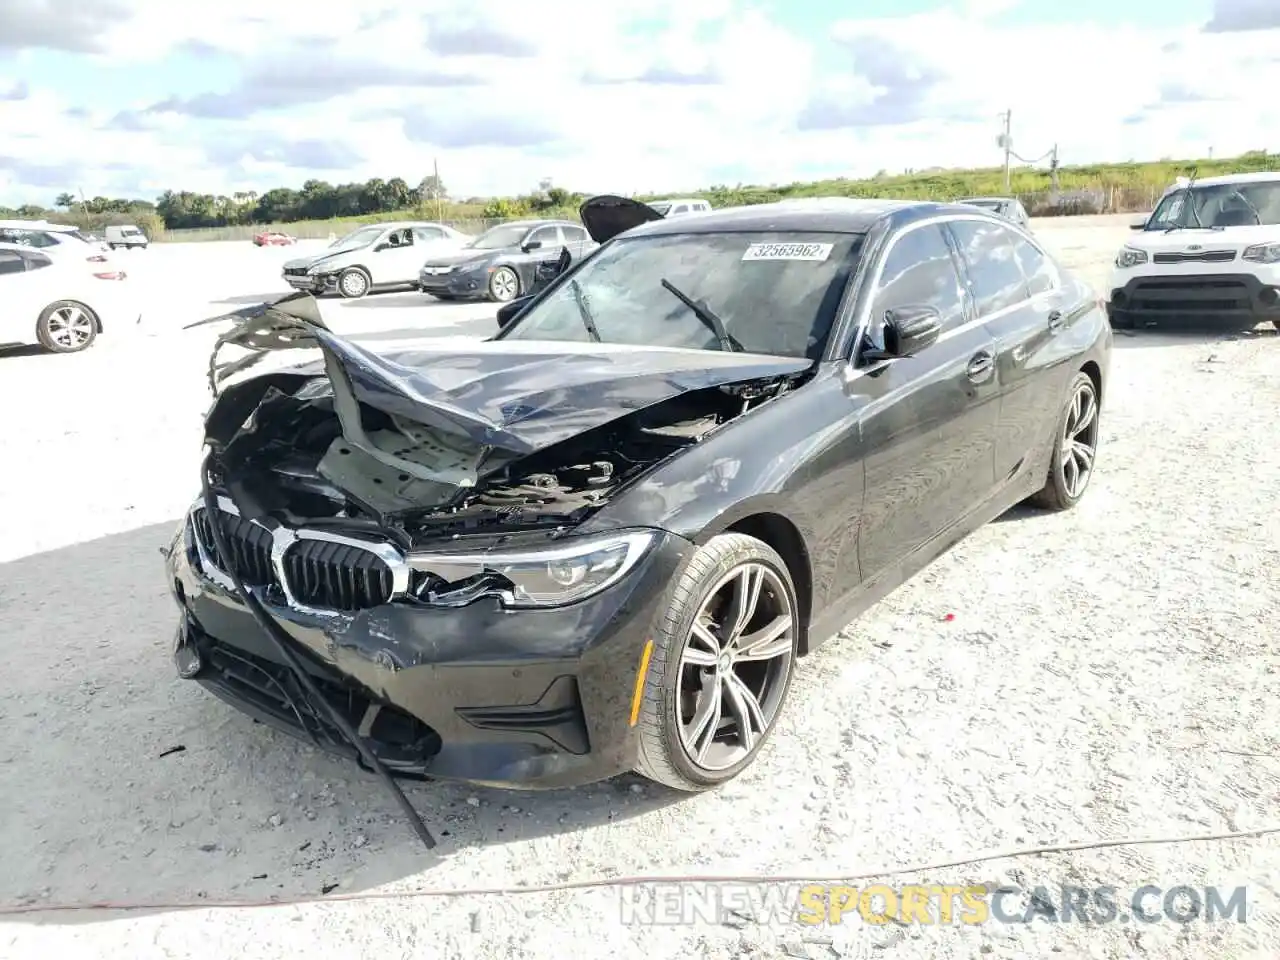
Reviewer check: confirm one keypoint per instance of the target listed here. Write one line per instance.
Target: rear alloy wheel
(504, 285)
(66, 327)
(353, 283)
(721, 665)
(1075, 448)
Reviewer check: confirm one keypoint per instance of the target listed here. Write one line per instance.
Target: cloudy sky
(131, 97)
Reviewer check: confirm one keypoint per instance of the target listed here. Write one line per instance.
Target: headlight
(1263, 253)
(551, 577)
(1129, 257)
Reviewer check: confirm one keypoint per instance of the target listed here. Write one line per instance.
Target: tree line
(314, 200)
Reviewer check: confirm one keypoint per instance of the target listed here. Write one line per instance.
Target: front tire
(504, 285)
(1075, 448)
(66, 326)
(720, 670)
(353, 283)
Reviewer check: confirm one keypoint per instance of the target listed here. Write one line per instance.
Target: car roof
(37, 225)
(818, 214)
(679, 200)
(1226, 178)
(400, 224)
(990, 199)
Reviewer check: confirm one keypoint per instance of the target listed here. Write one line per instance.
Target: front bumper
(530, 698)
(459, 284)
(312, 283)
(1205, 296)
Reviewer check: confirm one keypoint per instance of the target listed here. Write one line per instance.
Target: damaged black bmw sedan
(600, 541)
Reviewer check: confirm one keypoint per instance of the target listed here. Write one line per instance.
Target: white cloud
(634, 95)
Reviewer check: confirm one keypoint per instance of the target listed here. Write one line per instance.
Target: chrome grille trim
(283, 540)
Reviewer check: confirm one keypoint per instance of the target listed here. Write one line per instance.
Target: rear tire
(1075, 448)
(66, 326)
(353, 283)
(704, 683)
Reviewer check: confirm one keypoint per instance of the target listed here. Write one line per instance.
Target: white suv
(1210, 249)
(54, 239)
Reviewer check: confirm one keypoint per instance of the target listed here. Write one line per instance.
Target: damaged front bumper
(534, 698)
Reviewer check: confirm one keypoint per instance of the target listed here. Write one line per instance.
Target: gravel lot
(1108, 673)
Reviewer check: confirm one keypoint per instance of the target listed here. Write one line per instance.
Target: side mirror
(907, 331)
(1139, 224)
(382, 246)
(509, 311)
(532, 245)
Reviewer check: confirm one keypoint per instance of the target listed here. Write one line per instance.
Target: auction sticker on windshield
(788, 251)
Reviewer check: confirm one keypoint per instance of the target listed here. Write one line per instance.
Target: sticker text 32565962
(788, 251)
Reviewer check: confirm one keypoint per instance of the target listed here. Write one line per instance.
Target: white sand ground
(1106, 673)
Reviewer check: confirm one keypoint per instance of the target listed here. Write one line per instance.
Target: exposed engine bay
(303, 465)
(434, 441)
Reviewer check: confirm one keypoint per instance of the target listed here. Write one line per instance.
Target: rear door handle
(981, 367)
(1055, 320)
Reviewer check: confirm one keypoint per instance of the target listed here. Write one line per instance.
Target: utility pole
(435, 172)
(1006, 141)
(1053, 169)
(84, 207)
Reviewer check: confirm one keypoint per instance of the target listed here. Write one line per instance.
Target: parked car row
(505, 262)
(601, 540)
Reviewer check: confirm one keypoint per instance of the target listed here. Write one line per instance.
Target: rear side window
(427, 234)
(1038, 269)
(36, 260)
(989, 254)
(10, 262)
(919, 270)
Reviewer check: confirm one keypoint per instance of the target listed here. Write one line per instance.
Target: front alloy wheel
(503, 285)
(1075, 448)
(721, 665)
(353, 283)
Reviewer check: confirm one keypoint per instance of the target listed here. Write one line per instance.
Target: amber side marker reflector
(638, 695)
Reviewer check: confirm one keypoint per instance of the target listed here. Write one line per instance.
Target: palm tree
(65, 201)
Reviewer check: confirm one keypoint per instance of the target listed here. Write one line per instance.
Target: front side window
(919, 270)
(1219, 205)
(547, 236)
(997, 279)
(660, 207)
(358, 238)
(775, 292)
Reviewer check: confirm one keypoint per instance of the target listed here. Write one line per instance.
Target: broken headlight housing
(554, 576)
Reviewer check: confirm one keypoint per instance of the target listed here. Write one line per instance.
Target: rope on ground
(632, 881)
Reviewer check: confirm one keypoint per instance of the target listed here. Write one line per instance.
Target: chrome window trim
(862, 317)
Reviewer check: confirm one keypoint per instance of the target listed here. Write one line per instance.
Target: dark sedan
(600, 541)
(503, 262)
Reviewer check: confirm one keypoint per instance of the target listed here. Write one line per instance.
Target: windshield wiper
(584, 311)
(704, 313)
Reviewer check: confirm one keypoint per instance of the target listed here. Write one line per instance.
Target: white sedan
(60, 303)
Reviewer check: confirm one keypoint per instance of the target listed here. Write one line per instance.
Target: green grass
(1096, 188)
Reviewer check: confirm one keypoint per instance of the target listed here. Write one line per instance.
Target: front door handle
(981, 367)
(1055, 320)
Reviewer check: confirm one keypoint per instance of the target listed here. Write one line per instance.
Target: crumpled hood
(516, 397)
(464, 256)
